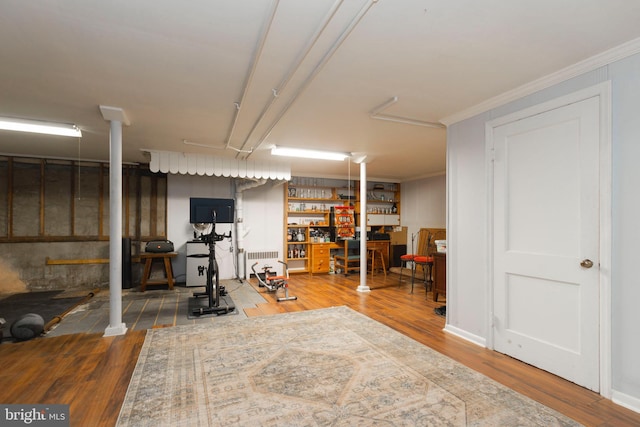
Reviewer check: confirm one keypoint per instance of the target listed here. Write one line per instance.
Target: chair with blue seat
(349, 258)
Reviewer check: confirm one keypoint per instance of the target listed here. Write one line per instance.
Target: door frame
(603, 92)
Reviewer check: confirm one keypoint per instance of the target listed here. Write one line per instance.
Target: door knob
(586, 263)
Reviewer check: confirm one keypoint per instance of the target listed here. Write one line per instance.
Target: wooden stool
(373, 255)
(149, 258)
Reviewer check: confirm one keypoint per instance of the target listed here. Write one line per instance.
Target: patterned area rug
(330, 367)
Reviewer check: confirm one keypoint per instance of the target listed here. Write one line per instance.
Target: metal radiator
(263, 258)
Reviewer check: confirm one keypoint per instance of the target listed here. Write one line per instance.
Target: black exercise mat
(202, 302)
(43, 303)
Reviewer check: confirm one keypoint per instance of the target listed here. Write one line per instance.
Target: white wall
(467, 298)
(264, 220)
(625, 77)
(179, 189)
(423, 204)
(263, 212)
(466, 229)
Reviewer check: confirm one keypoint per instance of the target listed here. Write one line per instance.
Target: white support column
(117, 117)
(363, 226)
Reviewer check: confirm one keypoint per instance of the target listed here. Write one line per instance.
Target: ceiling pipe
(325, 59)
(379, 109)
(252, 69)
(375, 114)
(285, 81)
(197, 144)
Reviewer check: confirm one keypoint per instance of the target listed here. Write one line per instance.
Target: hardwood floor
(91, 373)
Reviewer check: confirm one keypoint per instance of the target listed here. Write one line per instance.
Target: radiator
(263, 258)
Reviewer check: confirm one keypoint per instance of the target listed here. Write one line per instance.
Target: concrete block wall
(58, 210)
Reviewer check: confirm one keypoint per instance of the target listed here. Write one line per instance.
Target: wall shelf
(308, 205)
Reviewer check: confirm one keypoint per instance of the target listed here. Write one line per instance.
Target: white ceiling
(178, 69)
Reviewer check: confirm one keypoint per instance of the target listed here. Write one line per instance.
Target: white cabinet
(383, 219)
(197, 262)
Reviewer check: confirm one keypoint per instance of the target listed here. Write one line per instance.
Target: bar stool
(404, 259)
(375, 257)
(426, 262)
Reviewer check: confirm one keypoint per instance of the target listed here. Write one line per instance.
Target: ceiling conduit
(252, 69)
(325, 59)
(377, 114)
(283, 84)
(199, 164)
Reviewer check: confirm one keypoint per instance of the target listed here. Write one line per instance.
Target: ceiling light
(37, 126)
(309, 154)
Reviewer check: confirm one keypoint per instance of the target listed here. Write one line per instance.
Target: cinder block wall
(58, 210)
(27, 262)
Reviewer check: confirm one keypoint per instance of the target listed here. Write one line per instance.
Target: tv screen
(206, 210)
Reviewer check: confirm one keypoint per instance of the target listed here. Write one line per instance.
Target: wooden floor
(91, 373)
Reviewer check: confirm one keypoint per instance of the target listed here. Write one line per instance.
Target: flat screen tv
(206, 210)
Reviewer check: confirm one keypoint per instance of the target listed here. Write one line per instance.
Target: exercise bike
(272, 282)
(213, 291)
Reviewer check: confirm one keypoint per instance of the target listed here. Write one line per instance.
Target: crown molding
(617, 53)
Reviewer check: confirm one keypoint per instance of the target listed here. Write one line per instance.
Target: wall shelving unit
(309, 230)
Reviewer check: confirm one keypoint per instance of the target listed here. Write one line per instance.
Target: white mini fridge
(197, 262)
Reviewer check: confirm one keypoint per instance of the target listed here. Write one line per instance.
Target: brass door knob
(586, 263)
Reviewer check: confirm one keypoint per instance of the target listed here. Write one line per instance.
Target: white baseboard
(619, 398)
(482, 342)
(625, 400)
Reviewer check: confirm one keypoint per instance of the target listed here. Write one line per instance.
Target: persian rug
(329, 367)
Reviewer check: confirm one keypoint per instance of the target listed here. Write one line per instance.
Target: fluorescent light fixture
(308, 154)
(37, 126)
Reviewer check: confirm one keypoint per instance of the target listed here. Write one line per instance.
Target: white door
(546, 241)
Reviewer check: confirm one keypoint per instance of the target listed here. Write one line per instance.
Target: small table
(149, 258)
(439, 275)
